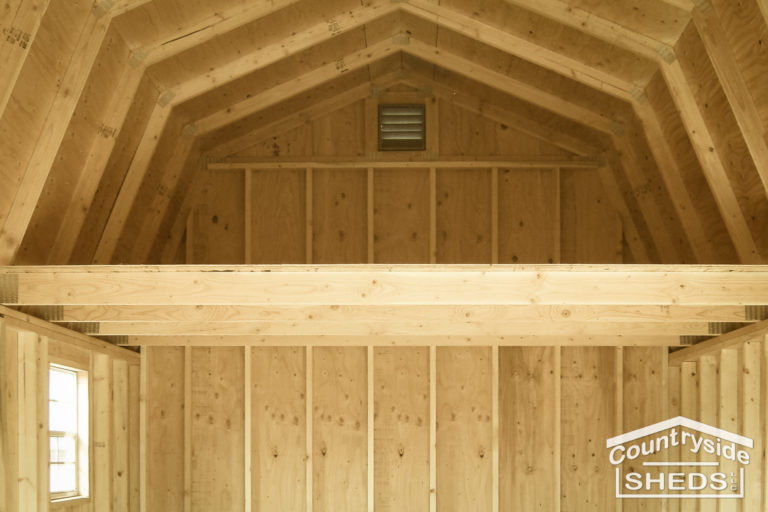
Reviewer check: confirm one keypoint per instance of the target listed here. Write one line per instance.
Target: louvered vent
(402, 128)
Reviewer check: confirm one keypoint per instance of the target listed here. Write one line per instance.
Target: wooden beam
(302, 83)
(678, 192)
(219, 23)
(155, 212)
(295, 43)
(401, 341)
(464, 99)
(132, 183)
(636, 243)
(402, 327)
(56, 123)
(567, 14)
(19, 31)
(387, 285)
(449, 314)
(637, 179)
(517, 88)
(445, 17)
(711, 163)
(755, 332)
(88, 182)
(532, 162)
(739, 96)
(21, 321)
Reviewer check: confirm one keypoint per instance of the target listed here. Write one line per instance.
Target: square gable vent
(402, 128)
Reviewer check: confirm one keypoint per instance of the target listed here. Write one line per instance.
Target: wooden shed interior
(276, 314)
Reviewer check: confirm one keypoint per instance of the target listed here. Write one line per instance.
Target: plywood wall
(25, 353)
(337, 428)
(405, 215)
(727, 388)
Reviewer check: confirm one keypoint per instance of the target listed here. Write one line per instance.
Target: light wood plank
(588, 418)
(370, 441)
(729, 340)
(729, 398)
(56, 123)
(134, 436)
(102, 432)
(280, 429)
(528, 162)
(529, 428)
(711, 163)
(380, 285)
(187, 429)
(406, 326)
(163, 484)
(517, 88)
(131, 184)
(309, 456)
(401, 431)
(120, 437)
(689, 409)
(597, 26)
(751, 374)
(464, 429)
(248, 434)
(218, 441)
(305, 82)
(26, 429)
(453, 314)
(735, 87)
(432, 429)
(339, 419)
(612, 340)
(450, 19)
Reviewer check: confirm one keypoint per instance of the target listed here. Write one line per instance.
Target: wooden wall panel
(222, 223)
(401, 430)
(278, 421)
(278, 199)
(463, 216)
(401, 216)
(218, 428)
(341, 133)
(644, 392)
(726, 387)
(529, 429)
(25, 355)
(529, 216)
(591, 229)
(464, 433)
(339, 216)
(165, 428)
(589, 376)
(339, 429)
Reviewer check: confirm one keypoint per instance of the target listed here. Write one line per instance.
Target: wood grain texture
(529, 206)
(464, 429)
(165, 429)
(463, 216)
(528, 428)
(401, 216)
(591, 229)
(279, 212)
(339, 216)
(401, 428)
(278, 429)
(218, 446)
(340, 426)
(588, 419)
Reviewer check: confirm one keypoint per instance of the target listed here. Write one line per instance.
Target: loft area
(106, 158)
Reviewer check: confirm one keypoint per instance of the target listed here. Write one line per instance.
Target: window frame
(82, 441)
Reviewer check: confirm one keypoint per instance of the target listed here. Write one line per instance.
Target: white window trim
(82, 442)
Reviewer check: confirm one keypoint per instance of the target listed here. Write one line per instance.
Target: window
(402, 128)
(68, 432)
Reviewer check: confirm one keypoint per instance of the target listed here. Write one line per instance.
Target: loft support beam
(381, 285)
